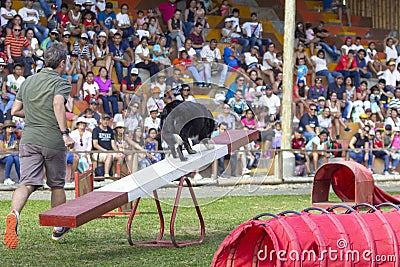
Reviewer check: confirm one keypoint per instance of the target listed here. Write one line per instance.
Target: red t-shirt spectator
(15, 44)
(344, 62)
(63, 18)
(167, 10)
(298, 143)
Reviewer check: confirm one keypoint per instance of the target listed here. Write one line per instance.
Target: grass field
(102, 242)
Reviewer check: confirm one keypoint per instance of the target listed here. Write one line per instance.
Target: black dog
(181, 120)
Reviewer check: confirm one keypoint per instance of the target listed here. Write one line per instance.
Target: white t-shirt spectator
(391, 77)
(123, 19)
(12, 81)
(250, 28)
(391, 52)
(92, 88)
(367, 57)
(272, 102)
(320, 63)
(235, 21)
(190, 98)
(271, 57)
(249, 58)
(210, 55)
(29, 14)
(4, 11)
(141, 33)
(150, 123)
(357, 47)
(140, 50)
(324, 123)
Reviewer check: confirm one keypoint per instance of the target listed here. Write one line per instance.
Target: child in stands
(90, 87)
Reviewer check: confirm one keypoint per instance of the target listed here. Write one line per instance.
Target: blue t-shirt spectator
(231, 62)
(118, 52)
(107, 19)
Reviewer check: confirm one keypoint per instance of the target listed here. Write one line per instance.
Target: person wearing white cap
(229, 32)
(52, 39)
(30, 18)
(101, 52)
(130, 88)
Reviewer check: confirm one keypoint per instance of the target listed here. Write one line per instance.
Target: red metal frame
(159, 242)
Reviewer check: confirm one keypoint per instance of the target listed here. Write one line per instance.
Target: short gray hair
(54, 55)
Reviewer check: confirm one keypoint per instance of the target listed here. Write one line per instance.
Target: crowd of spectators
(101, 42)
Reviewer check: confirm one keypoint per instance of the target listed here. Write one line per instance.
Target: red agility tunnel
(352, 183)
(303, 238)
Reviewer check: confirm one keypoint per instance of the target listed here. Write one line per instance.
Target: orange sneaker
(11, 236)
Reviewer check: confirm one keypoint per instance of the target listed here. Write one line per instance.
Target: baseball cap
(153, 110)
(300, 129)
(255, 47)
(135, 71)
(120, 124)
(84, 35)
(54, 6)
(2, 62)
(321, 98)
(234, 41)
(371, 132)
(74, 53)
(339, 76)
(301, 80)
(391, 63)
(109, 5)
(66, 33)
(388, 127)
(81, 119)
(54, 31)
(228, 20)
(106, 116)
(103, 34)
(88, 3)
(363, 116)
(93, 101)
(77, 3)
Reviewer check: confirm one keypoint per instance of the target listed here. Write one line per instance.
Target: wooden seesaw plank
(92, 205)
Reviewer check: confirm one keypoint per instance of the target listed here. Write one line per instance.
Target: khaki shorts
(101, 157)
(34, 157)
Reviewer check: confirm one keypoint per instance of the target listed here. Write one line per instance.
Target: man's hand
(68, 141)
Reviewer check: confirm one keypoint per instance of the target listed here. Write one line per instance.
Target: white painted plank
(157, 175)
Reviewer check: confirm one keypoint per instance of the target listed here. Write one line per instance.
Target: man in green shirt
(41, 101)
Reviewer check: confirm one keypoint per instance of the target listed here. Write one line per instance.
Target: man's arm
(59, 112)
(96, 145)
(18, 109)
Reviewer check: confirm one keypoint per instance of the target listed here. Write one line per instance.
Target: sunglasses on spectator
(186, 89)
(241, 80)
(17, 30)
(313, 109)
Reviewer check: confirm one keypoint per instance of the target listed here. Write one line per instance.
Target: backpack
(336, 145)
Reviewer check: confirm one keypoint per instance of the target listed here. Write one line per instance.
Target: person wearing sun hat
(83, 142)
(229, 33)
(155, 102)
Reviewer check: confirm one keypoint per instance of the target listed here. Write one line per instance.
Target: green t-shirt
(37, 94)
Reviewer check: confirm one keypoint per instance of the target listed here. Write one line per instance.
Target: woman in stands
(317, 147)
(299, 99)
(228, 116)
(185, 94)
(393, 119)
(358, 144)
(83, 142)
(75, 18)
(200, 15)
(348, 44)
(17, 20)
(300, 53)
(390, 48)
(137, 143)
(189, 14)
(151, 145)
(334, 106)
(9, 143)
(175, 29)
(7, 13)
(160, 53)
(143, 58)
(66, 41)
(373, 60)
(106, 92)
(238, 85)
(37, 53)
(101, 53)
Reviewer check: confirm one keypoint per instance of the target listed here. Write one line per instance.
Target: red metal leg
(173, 242)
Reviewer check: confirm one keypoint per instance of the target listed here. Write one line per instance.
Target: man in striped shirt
(14, 44)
